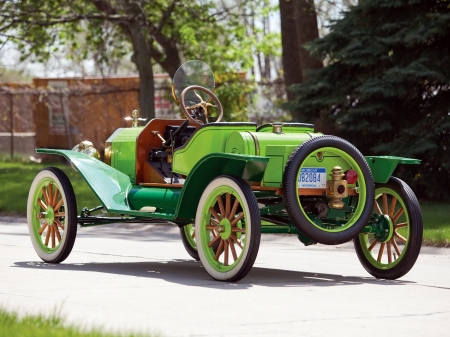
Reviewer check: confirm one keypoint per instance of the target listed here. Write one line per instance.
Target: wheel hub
(225, 228)
(385, 228)
(50, 216)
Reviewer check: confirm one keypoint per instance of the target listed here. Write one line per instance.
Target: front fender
(211, 166)
(109, 185)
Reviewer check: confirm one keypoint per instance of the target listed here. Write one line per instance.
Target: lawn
(436, 220)
(47, 326)
(16, 178)
(15, 181)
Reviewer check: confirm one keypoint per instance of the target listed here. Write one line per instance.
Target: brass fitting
(336, 188)
(277, 128)
(87, 148)
(134, 119)
(159, 136)
(108, 155)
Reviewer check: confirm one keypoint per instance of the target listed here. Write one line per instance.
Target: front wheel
(52, 215)
(228, 228)
(393, 256)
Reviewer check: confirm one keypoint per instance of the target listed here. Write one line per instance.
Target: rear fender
(247, 167)
(382, 167)
(108, 184)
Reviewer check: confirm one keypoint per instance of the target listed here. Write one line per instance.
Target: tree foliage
(387, 85)
(158, 32)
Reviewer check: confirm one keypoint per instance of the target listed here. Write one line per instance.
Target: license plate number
(312, 177)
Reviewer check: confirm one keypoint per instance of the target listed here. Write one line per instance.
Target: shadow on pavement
(191, 273)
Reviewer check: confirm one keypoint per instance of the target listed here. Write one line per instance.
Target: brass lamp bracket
(336, 188)
(134, 118)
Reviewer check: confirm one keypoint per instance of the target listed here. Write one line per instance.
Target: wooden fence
(61, 112)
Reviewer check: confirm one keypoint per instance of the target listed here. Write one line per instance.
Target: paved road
(138, 277)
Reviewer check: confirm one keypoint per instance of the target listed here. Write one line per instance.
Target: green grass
(12, 325)
(16, 179)
(436, 220)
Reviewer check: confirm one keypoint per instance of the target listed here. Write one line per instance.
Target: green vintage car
(224, 184)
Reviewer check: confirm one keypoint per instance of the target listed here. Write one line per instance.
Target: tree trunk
(142, 59)
(307, 31)
(298, 26)
(291, 55)
(146, 91)
(171, 61)
(141, 56)
(266, 57)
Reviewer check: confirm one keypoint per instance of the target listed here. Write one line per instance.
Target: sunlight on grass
(48, 326)
(16, 179)
(436, 221)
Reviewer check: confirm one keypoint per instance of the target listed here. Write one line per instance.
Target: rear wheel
(393, 256)
(187, 234)
(228, 228)
(315, 154)
(51, 214)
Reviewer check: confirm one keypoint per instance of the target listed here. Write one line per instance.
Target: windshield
(193, 72)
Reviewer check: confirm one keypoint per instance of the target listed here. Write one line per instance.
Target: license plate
(312, 177)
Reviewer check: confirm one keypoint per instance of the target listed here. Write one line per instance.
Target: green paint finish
(278, 155)
(50, 215)
(240, 143)
(147, 215)
(114, 135)
(272, 208)
(49, 218)
(364, 238)
(205, 234)
(123, 151)
(267, 139)
(246, 167)
(386, 229)
(333, 157)
(269, 228)
(189, 232)
(109, 185)
(225, 230)
(164, 199)
(288, 129)
(208, 139)
(278, 147)
(382, 167)
(381, 226)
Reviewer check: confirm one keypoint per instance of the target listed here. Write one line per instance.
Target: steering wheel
(191, 112)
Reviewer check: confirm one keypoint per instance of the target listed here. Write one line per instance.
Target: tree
(162, 32)
(298, 27)
(387, 85)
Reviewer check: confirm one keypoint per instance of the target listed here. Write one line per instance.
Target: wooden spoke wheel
(394, 254)
(228, 228)
(187, 234)
(51, 213)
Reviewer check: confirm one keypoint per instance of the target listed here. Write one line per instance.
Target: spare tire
(329, 151)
